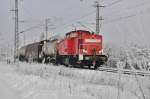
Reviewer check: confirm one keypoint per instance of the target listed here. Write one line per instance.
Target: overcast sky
(125, 21)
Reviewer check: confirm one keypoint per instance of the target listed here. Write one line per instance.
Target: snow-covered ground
(38, 81)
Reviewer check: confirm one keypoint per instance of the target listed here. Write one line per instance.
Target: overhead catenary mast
(46, 28)
(16, 36)
(98, 18)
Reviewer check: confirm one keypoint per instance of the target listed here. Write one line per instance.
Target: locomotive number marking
(92, 40)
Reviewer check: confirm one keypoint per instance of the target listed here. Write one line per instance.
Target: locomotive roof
(78, 31)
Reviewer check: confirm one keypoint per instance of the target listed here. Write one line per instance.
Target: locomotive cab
(82, 48)
(91, 49)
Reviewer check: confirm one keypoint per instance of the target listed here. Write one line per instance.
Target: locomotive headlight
(84, 50)
(101, 51)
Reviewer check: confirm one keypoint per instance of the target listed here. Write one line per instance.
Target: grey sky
(125, 22)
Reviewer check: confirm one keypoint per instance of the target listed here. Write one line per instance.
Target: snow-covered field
(39, 81)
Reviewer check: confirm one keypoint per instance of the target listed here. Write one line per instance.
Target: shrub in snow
(133, 56)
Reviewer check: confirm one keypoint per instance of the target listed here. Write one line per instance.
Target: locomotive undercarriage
(88, 60)
(72, 60)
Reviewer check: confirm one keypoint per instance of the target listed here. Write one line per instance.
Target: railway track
(121, 71)
(125, 71)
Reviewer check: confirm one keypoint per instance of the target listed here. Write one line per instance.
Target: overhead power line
(139, 5)
(120, 18)
(113, 3)
(31, 28)
(125, 17)
(128, 8)
(85, 26)
(74, 20)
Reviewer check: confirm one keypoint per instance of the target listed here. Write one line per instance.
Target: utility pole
(16, 37)
(24, 39)
(98, 18)
(46, 28)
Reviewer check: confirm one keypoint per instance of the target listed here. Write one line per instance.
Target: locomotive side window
(92, 40)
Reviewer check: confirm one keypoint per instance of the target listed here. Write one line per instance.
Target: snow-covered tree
(137, 57)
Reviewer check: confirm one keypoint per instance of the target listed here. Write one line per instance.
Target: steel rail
(125, 71)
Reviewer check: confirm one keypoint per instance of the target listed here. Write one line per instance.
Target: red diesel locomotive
(81, 48)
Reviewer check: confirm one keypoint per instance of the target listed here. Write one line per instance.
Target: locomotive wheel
(89, 66)
(96, 66)
(67, 62)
